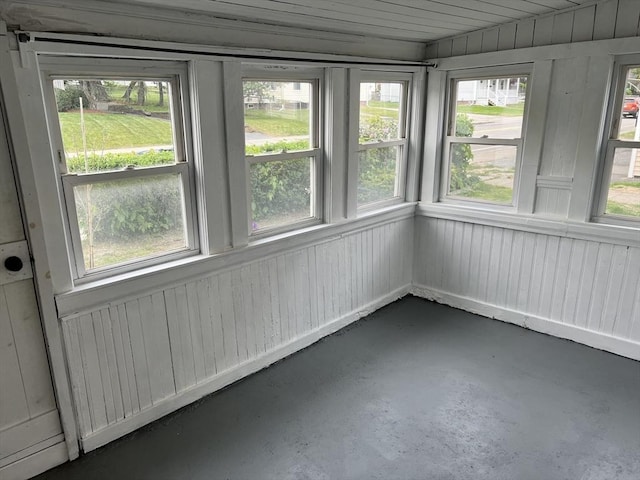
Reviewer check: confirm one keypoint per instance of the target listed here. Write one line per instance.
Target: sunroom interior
(193, 193)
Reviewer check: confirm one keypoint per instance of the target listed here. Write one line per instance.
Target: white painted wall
(135, 359)
(135, 354)
(542, 264)
(586, 291)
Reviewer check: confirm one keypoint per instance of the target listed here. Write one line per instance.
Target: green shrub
(124, 209)
(279, 188)
(69, 98)
(461, 156)
(118, 161)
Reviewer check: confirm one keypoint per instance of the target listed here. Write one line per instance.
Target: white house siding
(136, 359)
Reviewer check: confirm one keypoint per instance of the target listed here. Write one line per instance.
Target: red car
(630, 107)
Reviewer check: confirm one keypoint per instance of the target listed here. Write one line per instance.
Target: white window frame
(611, 143)
(173, 72)
(293, 74)
(491, 73)
(371, 76)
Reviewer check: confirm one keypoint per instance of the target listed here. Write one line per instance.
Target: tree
(160, 94)
(94, 92)
(258, 90)
(142, 93)
(127, 93)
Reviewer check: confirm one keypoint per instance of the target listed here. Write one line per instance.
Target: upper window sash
(499, 139)
(147, 156)
(618, 188)
(398, 84)
(285, 95)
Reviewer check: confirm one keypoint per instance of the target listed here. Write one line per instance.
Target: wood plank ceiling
(412, 20)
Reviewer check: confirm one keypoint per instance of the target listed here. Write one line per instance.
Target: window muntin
(620, 187)
(484, 138)
(281, 119)
(382, 141)
(125, 174)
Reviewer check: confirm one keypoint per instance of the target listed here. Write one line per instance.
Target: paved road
(509, 127)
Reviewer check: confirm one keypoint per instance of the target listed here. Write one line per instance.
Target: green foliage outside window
(461, 155)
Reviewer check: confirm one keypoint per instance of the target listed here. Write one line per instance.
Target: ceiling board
(409, 20)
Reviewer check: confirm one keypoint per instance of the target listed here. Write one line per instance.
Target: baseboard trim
(192, 394)
(36, 463)
(609, 343)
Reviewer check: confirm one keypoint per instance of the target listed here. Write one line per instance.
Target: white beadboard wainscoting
(132, 361)
(582, 290)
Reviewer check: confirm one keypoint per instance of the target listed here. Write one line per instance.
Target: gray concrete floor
(415, 391)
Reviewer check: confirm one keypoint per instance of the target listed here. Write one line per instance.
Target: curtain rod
(73, 39)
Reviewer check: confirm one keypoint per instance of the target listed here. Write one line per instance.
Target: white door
(31, 438)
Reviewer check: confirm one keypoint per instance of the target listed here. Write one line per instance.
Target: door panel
(31, 438)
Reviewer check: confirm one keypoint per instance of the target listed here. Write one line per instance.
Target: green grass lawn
(277, 123)
(485, 191)
(380, 109)
(151, 101)
(616, 208)
(107, 131)
(510, 111)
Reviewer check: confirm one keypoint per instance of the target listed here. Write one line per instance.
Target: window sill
(131, 285)
(596, 232)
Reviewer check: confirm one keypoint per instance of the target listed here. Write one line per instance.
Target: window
(619, 201)
(125, 172)
(484, 139)
(282, 147)
(382, 140)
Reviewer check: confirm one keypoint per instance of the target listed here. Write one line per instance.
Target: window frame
(403, 141)
(316, 152)
(85, 67)
(448, 139)
(611, 142)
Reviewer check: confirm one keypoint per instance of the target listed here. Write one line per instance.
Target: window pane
(277, 116)
(380, 111)
(629, 127)
(111, 124)
(377, 171)
(623, 197)
(492, 108)
(280, 192)
(484, 172)
(125, 220)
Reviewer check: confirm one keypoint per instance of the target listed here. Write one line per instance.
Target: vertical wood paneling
(524, 33)
(127, 357)
(507, 37)
(591, 285)
(543, 31)
(583, 23)
(562, 27)
(604, 20)
(630, 295)
(474, 43)
(619, 266)
(627, 18)
(490, 40)
(140, 366)
(12, 394)
(459, 46)
(21, 311)
(104, 371)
